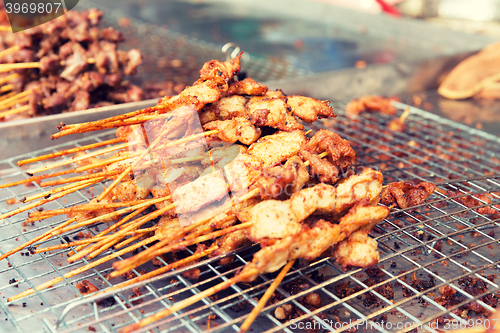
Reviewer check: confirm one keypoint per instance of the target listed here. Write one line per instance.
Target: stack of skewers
(223, 164)
(67, 64)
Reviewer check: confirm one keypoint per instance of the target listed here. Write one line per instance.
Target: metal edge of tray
(23, 136)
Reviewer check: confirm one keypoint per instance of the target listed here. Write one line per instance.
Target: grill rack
(432, 149)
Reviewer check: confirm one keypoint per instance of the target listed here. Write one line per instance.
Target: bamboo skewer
(134, 238)
(23, 65)
(117, 224)
(83, 157)
(11, 101)
(55, 190)
(65, 172)
(110, 215)
(184, 244)
(9, 95)
(145, 255)
(5, 28)
(189, 301)
(162, 269)
(120, 123)
(105, 174)
(28, 65)
(9, 50)
(111, 240)
(404, 115)
(37, 238)
(87, 207)
(82, 242)
(14, 111)
(108, 120)
(6, 103)
(69, 151)
(138, 223)
(8, 77)
(43, 201)
(75, 272)
(267, 295)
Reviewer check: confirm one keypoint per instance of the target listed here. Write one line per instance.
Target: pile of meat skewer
(66, 64)
(225, 163)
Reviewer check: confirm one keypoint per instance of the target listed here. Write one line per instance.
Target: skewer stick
(18, 100)
(103, 174)
(267, 295)
(15, 99)
(83, 157)
(82, 241)
(103, 245)
(7, 87)
(117, 224)
(8, 77)
(110, 215)
(43, 201)
(112, 240)
(135, 237)
(75, 272)
(180, 233)
(116, 237)
(64, 172)
(70, 151)
(87, 207)
(125, 122)
(5, 28)
(53, 191)
(37, 238)
(22, 65)
(182, 245)
(163, 269)
(10, 49)
(130, 240)
(4, 97)
(110, 119)
(405, 114)
(66, 245)
(147, 151)
(157, 249)
(14, 111)
(187, 159)
(191, 300)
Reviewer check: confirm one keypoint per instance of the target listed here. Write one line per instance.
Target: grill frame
(431, 217)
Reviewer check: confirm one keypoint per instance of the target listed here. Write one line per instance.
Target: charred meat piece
(236, 129)
(404, 194)
(340, 155)
(247, 86)
(370, 103)
(470, 202)
(309, 109)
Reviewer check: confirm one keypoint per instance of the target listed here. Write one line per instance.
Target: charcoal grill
(440, 242)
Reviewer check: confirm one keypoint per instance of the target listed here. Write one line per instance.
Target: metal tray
(432, 149)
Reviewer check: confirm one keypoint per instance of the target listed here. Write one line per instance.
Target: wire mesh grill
(443, 242)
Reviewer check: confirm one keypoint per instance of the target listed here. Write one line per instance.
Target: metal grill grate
(440, 242)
